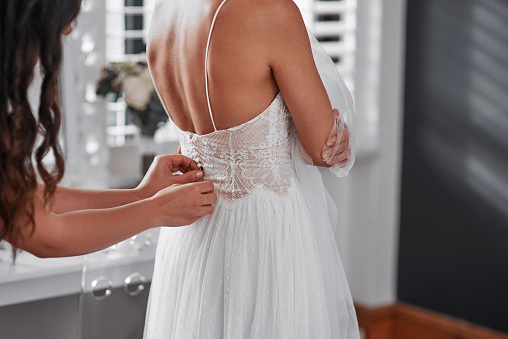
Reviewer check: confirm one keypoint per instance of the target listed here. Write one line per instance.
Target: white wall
(368, 200)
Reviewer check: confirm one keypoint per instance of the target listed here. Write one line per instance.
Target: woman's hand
(161, 174)
(180, 205)
(178, 200)
(342, 153)
(85, 231)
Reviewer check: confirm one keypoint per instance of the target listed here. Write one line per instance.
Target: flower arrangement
(133, 80)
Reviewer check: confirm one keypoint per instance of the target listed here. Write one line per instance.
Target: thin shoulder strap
(206, 63)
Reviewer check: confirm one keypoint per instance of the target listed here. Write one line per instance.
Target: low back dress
(265, 263)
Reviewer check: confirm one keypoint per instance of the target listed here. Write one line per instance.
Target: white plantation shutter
(333, 22)
(127, 23)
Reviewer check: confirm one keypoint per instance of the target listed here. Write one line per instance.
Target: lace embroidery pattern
(244, 158)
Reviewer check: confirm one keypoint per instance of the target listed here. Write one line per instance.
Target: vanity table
(101, 295)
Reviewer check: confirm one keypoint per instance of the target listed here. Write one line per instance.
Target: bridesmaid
(43, 218)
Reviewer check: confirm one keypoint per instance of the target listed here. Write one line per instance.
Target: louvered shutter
(333, 22)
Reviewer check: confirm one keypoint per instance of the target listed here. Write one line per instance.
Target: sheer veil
(340, 98)
(321, 207)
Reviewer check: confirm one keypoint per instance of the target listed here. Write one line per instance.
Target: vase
(151, 118)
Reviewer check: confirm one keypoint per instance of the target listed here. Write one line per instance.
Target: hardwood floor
(402, 321)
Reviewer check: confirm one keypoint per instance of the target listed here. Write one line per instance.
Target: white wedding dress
(264, 264)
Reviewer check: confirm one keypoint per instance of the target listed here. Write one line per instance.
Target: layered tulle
(323, 218)
(252, 269)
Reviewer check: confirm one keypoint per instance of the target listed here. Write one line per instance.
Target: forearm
(85, 231)
(81, 232)
(314, 134)
(72, 199)
(294, 68)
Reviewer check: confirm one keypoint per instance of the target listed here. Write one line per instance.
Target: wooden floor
(402, 321)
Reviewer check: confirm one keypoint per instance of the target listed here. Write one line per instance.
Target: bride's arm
(296, 75)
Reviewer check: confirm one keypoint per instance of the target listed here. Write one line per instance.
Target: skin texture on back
(257, 48)
(241, 83)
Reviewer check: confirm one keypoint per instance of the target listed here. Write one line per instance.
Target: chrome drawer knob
(101, 288)
(134, 284)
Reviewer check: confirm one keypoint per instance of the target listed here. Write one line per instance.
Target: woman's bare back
(240, 80)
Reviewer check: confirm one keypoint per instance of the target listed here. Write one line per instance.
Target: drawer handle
(134, 284)
(101, 284)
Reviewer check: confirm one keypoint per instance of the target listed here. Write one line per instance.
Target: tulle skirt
(258, 268)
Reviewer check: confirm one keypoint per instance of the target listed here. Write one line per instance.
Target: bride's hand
(180, 205)
(341, 156)
(161, 174)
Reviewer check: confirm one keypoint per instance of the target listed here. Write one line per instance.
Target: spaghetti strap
(206, 63)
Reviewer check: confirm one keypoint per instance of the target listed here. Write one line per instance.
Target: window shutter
(127, 24)
(333, 23)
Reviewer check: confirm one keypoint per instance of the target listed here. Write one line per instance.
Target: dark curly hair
(30, 32)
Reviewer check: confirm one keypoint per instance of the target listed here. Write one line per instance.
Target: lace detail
(242, 159)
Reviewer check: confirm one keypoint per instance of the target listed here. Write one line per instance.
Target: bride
(239, 79)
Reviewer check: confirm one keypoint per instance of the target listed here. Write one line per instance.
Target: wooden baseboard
(403, 321)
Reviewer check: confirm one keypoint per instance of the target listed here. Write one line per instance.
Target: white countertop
(32, 278)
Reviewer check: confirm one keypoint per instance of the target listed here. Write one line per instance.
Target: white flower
(137, 92)
(145, 75)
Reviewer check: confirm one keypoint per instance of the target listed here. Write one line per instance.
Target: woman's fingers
(179, 205)
(331, 141)
(327, 152)
(208, 198)
(185, 164)
(205, 210)
(205, 187)
(339, 158)
(187, 177)
(344, 145)
(175, 163)
(342, 163)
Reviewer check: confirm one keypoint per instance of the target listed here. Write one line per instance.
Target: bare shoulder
(274, 26)
(267, 15)
(276, 10)
(283, 12)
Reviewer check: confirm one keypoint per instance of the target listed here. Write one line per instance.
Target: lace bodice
(245, 158)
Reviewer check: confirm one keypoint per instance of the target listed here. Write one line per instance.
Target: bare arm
(296, 75)
(160, 175)
(80, 232)
(72, 199)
